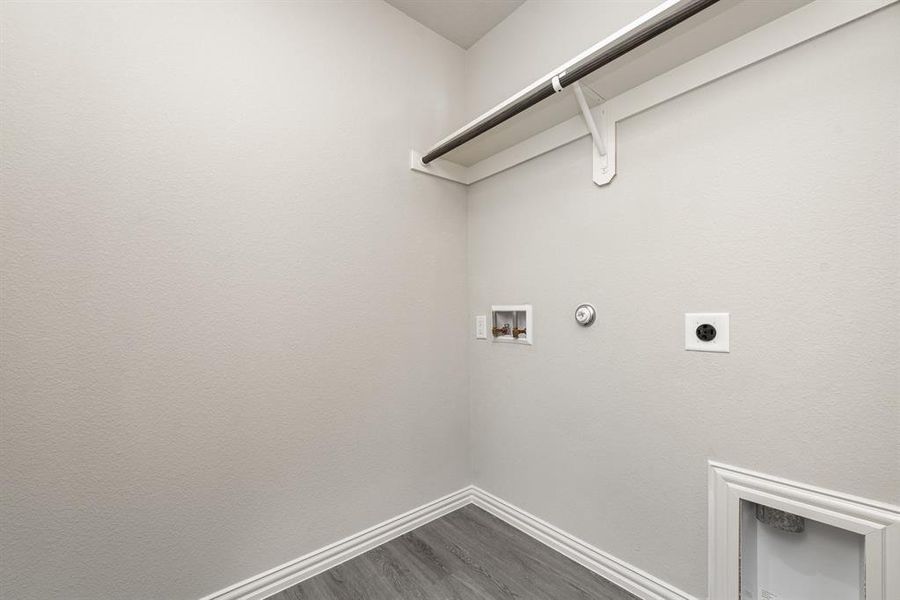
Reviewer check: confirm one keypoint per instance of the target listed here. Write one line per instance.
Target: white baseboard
(626, 576)
(293, 572)
(630, 578)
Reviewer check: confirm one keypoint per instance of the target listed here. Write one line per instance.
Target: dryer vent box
(787, 557)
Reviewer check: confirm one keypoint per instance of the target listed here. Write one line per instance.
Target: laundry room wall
(233, 320)
(770, 194)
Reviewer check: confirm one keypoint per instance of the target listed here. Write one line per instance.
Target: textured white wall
(772, 195)
(194, 224)
(233, 321)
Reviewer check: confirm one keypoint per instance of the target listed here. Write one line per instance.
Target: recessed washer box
(512, 323)
(706, 332)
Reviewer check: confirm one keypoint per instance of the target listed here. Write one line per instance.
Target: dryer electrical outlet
(706, 332)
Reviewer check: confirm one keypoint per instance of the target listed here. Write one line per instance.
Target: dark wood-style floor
(465, 555)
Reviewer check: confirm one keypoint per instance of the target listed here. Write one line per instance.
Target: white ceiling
(463, 22)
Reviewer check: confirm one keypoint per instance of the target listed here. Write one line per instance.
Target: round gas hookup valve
(585, 315)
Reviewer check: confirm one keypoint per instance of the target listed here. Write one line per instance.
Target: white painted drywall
(772, 195)
(462, 22)
(233, 320)
(222, 288)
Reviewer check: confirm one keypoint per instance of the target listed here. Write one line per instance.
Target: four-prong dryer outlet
(706, 332)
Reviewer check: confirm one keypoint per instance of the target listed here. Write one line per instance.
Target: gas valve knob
(585, 315)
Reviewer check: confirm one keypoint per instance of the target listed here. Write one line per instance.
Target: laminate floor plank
(547, 563)
(513, 554)
(465, 555)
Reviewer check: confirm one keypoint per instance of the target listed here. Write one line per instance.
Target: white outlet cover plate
(481, 327)
(721, 343)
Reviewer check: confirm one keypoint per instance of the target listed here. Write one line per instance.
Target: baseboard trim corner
(626, 576)
(291, 573)
(621, 573)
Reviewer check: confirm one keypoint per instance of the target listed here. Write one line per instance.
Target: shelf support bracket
(603, 158)
(588, 118)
